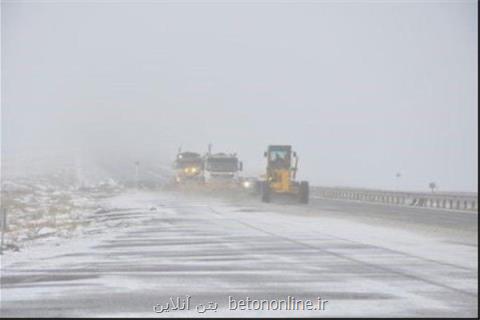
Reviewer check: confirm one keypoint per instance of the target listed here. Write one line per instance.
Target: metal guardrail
(429, 200)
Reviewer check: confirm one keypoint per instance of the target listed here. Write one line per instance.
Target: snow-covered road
(151, 246)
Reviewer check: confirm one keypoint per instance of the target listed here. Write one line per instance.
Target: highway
(148, 247)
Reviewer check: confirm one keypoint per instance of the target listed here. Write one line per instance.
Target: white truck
(222, 169)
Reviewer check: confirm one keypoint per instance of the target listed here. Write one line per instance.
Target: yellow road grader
(280, 179)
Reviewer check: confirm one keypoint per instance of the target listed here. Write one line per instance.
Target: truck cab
(188, 167)
(222, 169)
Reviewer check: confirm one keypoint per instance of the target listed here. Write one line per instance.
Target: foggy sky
(361, 90)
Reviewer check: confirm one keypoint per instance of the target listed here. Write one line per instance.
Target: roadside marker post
(4, 228)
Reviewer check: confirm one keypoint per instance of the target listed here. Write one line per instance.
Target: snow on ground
(93, 223)
(51, 206)
(144, 247)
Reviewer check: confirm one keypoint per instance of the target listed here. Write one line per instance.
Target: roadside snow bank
(49, 206)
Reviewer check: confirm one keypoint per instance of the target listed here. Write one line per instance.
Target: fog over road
(363, 258)
(101, 99)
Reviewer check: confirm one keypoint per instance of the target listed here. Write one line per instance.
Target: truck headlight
(247, 184)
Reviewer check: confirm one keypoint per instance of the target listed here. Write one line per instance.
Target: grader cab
(282, 166)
